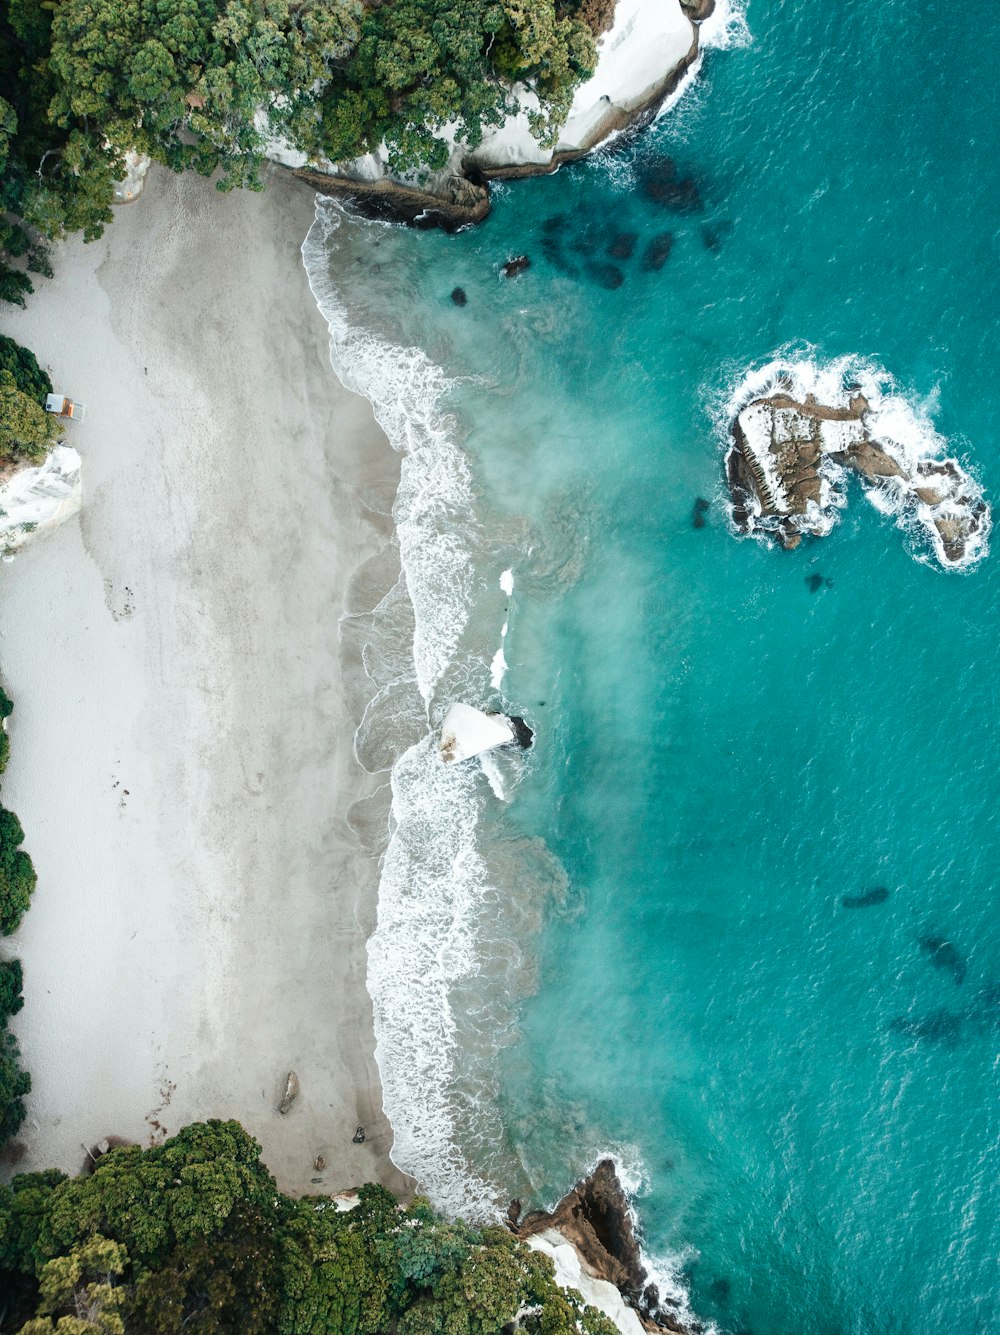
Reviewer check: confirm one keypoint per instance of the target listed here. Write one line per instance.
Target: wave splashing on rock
(798, 429)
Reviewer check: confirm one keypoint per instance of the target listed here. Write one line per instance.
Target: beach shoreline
(182, 743)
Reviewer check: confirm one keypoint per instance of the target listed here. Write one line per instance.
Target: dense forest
(193, 1236)
(205, 84)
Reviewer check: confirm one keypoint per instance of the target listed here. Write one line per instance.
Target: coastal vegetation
(17, 880)
(207, 86)
(27, 431)
(193, 1235)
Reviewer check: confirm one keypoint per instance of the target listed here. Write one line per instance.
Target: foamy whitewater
(643, 934)
(433, 879)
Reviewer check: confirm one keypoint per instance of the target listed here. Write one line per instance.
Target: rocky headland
(642, 59)
(790, 458)
(590, 1236)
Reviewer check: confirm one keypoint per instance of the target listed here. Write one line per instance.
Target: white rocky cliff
(570, 1274)
(39, 498)
(640, 60)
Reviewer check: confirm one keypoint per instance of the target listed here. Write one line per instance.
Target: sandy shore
(182, 753)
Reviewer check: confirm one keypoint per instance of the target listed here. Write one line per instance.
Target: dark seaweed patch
(605, 275)
(713, 234)
(943, 955)
(878, 894)
(622, 245)
(701, 508)
(940, 1026)
(662, 183)
(657, 252)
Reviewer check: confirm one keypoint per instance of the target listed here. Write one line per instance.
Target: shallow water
(642, 945)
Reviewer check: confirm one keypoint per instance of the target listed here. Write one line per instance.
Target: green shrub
(33, 381)
(17, 875)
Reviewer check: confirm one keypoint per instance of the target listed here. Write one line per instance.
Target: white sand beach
(182, 755)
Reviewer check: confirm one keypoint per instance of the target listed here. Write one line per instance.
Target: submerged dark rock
(985, 1008)
(721, 1291)
(701, 509)
(814, 582)
(943, 955)
(458, 296)
(663, 184)
(941, 1026)
(605, 275)
(514, 266)
(878, 894)
(554, 253)
(622, 245)
(713, 234)
(657, 252)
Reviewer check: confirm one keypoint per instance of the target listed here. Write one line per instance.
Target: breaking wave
(432, 874)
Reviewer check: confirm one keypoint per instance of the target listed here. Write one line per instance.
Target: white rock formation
(137, 165)
(571, 1275)
(468, 732)
(637, 60)
(40, 498)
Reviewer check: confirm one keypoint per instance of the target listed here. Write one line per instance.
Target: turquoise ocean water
(633, 939)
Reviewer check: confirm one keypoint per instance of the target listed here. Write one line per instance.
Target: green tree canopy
(17, 875)
(29, 377)
(27, 431)
(194, 1236)
(80, 1294)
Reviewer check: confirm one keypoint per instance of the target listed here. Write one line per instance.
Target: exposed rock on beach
(791, 455)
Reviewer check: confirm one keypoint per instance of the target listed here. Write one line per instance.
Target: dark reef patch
(662, 183)
(622, 245)
(657, 252)
(878, 894)
(553, 252)
(985, 1007)
(701, 508)
(713, 234)
(721, 1290)
(605, 275)
(941, 1026)
(943, 955)
(458, 296)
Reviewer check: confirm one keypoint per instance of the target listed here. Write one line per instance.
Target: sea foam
(432, 874)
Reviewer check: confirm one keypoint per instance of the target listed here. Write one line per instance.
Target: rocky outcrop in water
(789, 460)
(596, 1220)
